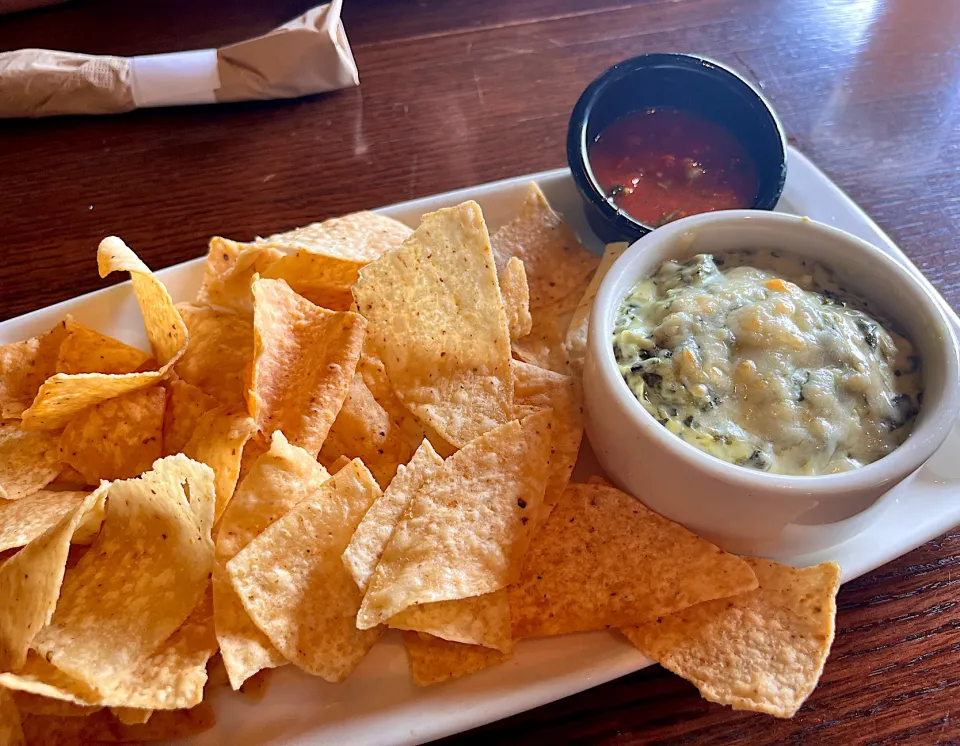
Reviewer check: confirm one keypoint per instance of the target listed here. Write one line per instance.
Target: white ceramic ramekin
(740, 508)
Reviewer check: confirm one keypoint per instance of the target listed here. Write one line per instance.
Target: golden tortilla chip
(229, 272)
(165, 328)
(36, 704)
(24, 366)
(433, 660)
(437, 323)
(373, 534)
(375, 377)
(556, 265)
(218, 442)
(516, 298)
(253, 450)
(294, 586)
(323, 280)
(131, 715)
(116, 439)
(576, 341)
(11, 733)
(337, 465)
(124, 598)
(466, 529)
(364, 430)
(276, 482)
(544, 345)
(29, 460)
(219, 355)
(536, 389)
(479, 620)
(85, 351)
(763, 650)
(185, 405)
(30, 585)
(602, 559)
(360, 237)
(21, 521)
(104, 726)
(256, 686)
(304, 360)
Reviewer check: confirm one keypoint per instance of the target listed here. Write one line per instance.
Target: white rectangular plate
(378, 705)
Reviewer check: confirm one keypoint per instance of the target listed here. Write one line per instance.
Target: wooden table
(457, 93)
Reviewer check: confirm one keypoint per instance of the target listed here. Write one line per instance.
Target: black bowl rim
(578, 160)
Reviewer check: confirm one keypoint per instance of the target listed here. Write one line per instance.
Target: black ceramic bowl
(686, 82)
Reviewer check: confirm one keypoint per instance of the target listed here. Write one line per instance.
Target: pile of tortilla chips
(355, 427)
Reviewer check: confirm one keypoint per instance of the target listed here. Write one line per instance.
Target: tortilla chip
(116, 439)
(465, 530)
(373, 534)
(602, 559)
(229, 272)
(30, 585)
(28, 460)
(437, 323)
(576, 340)
(131, 715)
(104, 726)
(516, 298)
(21, 521)
(294, 586)
(323, 280)
(24, 366)
(763, 650)
(544, 345)
(218, 442)
(185, 405)
(479, 620)
(556, 265)
(364, 430)
(256, 686)
(141, 579)
(165, 329)
(360, 237)
(375, 377)
(277, 481)
(85, 351)
(11, 733)
(433, 660)
(36, 704)
(253, 450)
(219, 355)
(536, 389)
(337, 465)
(304, 360)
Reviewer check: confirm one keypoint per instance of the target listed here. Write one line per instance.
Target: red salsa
(663, 164)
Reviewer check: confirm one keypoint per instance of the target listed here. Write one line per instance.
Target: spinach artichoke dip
(786, 376)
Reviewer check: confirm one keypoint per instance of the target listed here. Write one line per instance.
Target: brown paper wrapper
(307, 55)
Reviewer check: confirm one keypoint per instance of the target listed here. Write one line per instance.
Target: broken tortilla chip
(364, 430)
(763, 650)
(516, 298)
(125, 597)
(219, 354)
(30, 584)
(229, 271)
(276, 482)
(536, 389)
(23, 520)
(437, 323)
(602, 558)
(373, 534)
(479, 620)
(218, 442)
(116, 439)
(29, 460)
(360, 237)
(24, 366)
(556, 265)
(467, 528)
(185, 405)
(304, 361)
(576, 339)
(433, 660)
(85, 351)
(294, 586)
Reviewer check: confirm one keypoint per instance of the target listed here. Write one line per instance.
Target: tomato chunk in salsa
(662, 164)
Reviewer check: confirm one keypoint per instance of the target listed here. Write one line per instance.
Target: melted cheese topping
(791, 377)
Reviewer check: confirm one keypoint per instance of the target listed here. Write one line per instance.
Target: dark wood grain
(456, 93)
